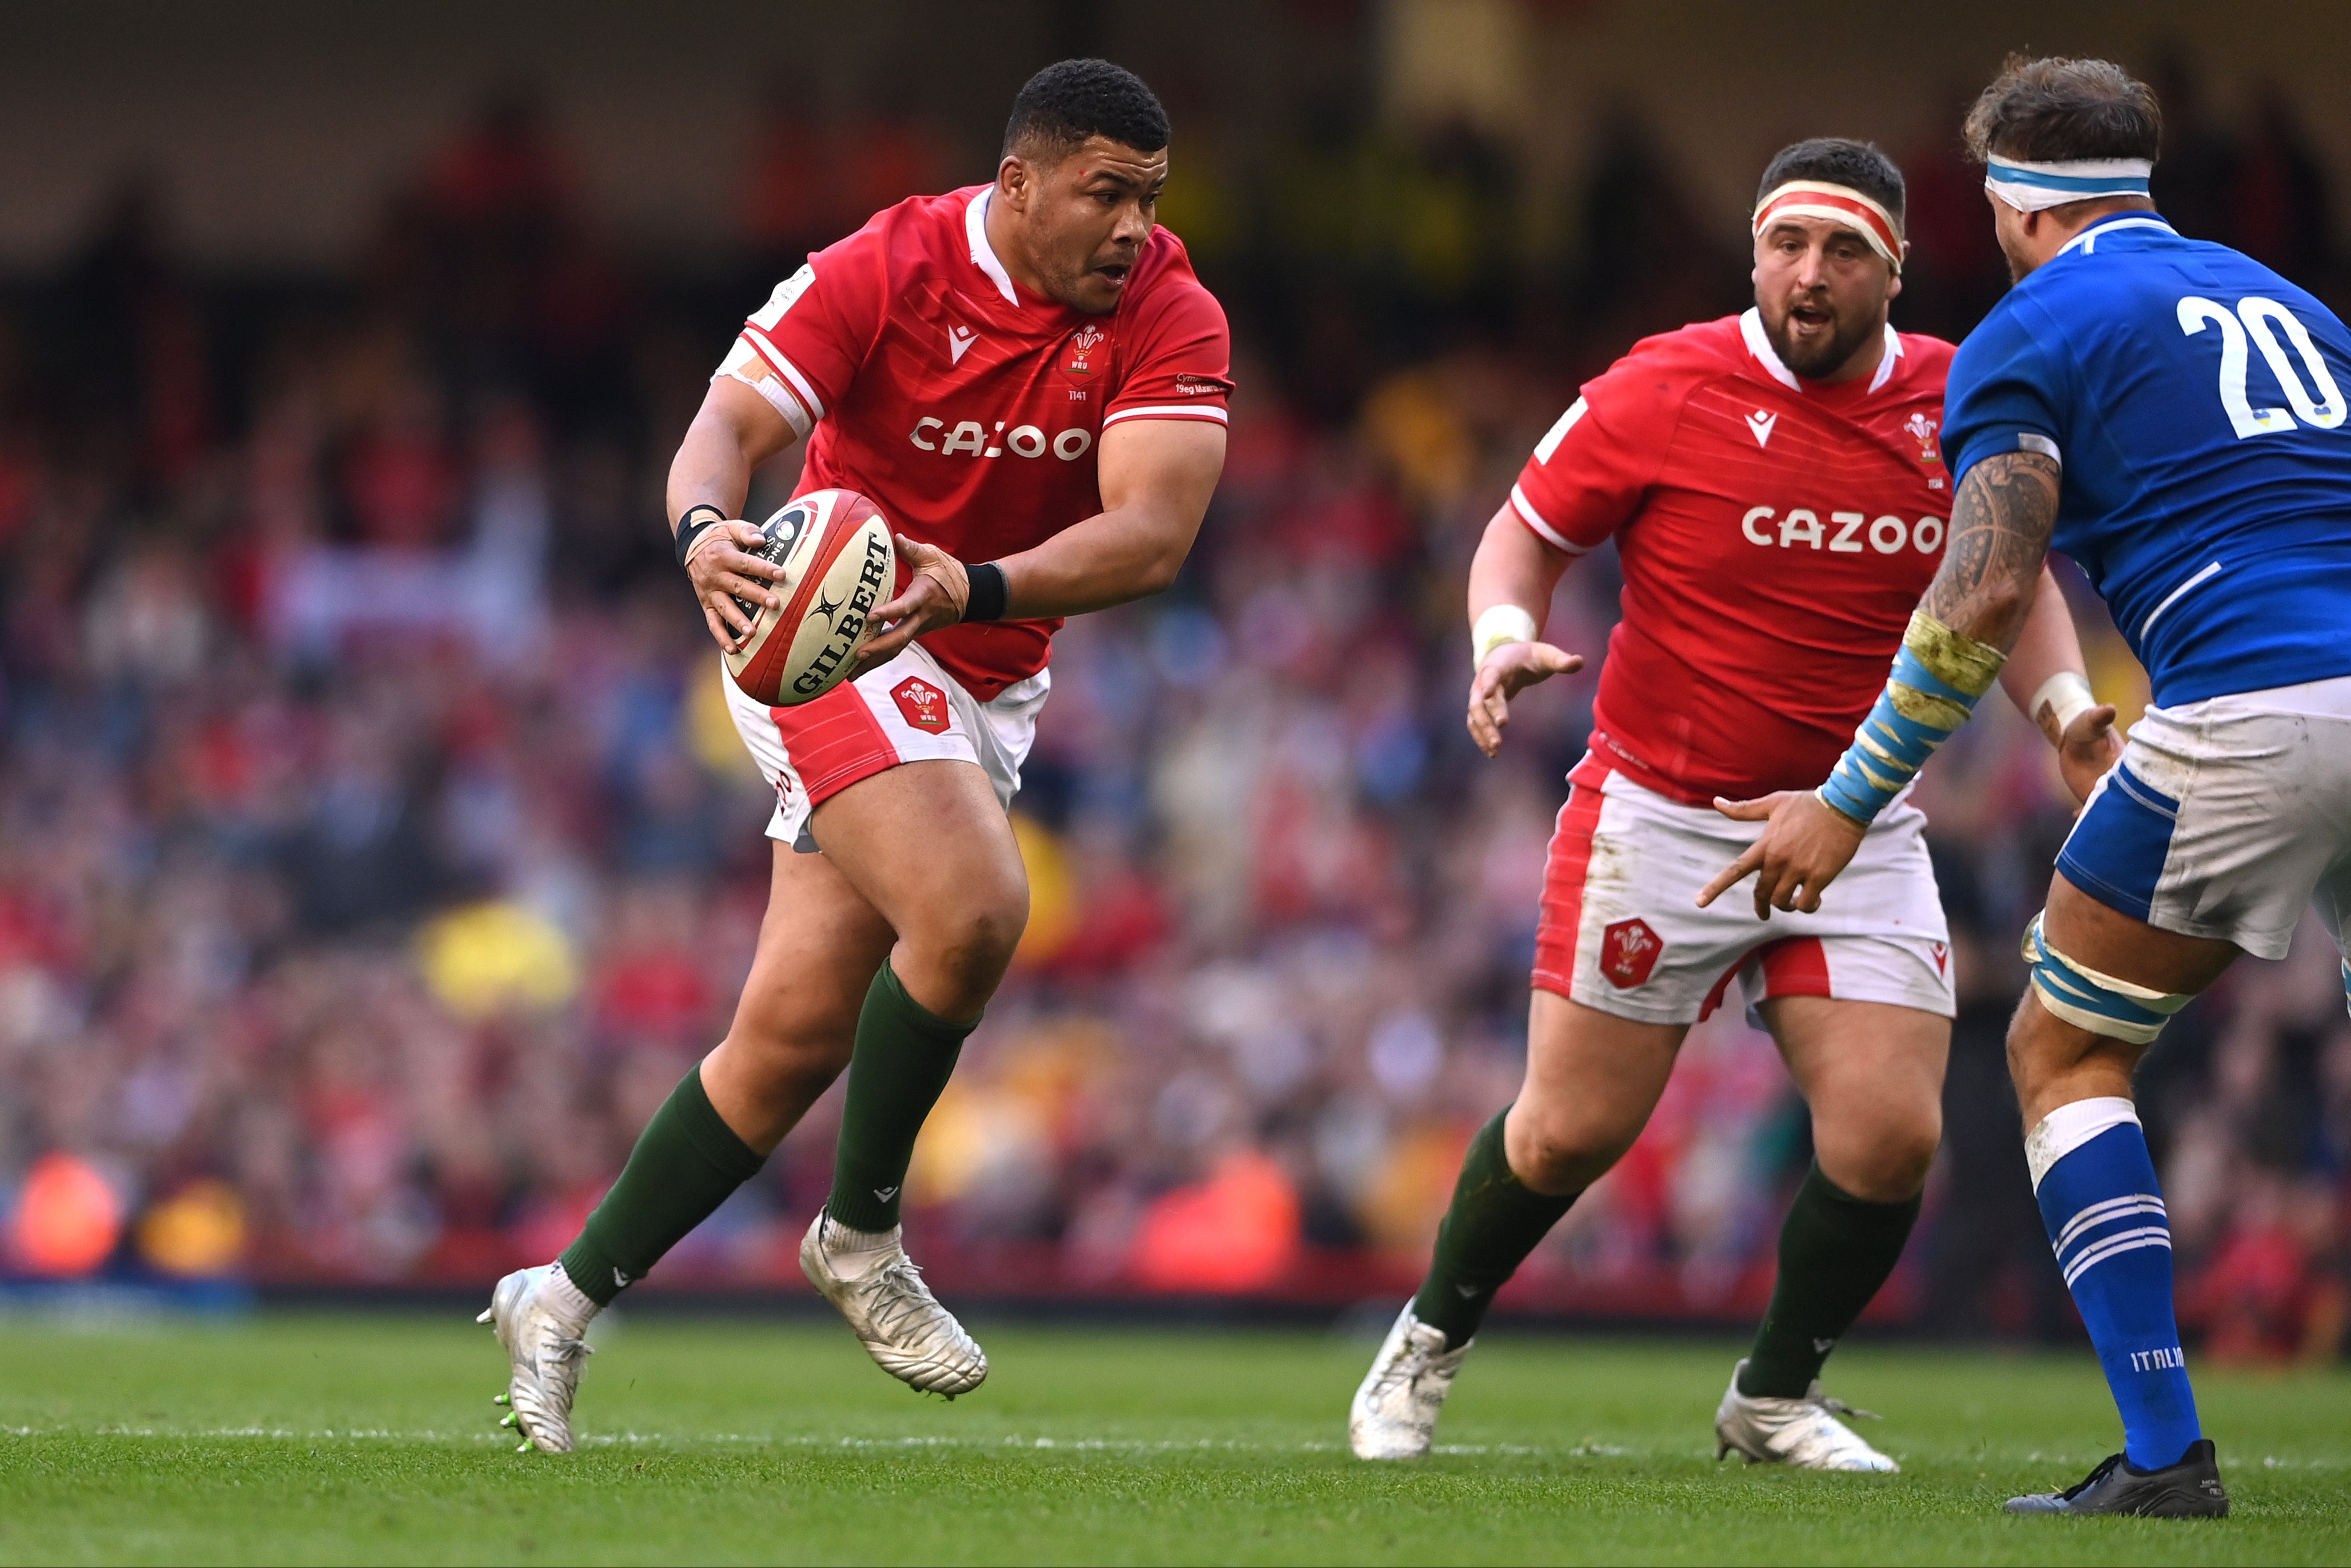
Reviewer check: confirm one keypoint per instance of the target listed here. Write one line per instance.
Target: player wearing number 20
(2171, 414)
(1023, 375)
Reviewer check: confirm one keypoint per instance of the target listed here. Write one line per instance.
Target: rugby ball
(839, 563)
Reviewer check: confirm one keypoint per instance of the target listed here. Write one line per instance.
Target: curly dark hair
(1838, 162)
(2049, 110)
(1067, 102)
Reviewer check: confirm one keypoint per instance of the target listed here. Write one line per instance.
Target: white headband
(2034, 187)
(1865, 214)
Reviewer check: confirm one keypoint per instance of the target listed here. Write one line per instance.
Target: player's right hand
(1805, 843)
(723, 570)
(1508, 671)
(2087, 749)
(937, 589)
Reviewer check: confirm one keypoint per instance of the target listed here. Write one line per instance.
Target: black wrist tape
(988, 594)
(689, 530)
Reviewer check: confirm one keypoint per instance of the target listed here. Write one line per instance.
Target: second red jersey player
(1778, 498)
(1774, 536)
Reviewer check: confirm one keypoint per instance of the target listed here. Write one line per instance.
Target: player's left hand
(935, 597)
(2089, 747)
(1805, 843)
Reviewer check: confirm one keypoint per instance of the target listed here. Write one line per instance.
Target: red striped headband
(1839, 203)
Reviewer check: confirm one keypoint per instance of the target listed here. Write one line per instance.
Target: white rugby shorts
(1621, 929)
(907, 710)
(2226, 817)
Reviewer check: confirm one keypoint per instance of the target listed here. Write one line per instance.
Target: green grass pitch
(291, 1440)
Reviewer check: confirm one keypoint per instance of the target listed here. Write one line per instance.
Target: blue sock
(2105, 1218)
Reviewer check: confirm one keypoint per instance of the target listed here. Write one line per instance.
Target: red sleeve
(801, 348)
(1588, 476)
(1180, 364)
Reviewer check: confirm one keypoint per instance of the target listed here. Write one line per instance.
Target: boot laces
(2105, 1468)
(899, 1295)
(559, 1356)
(1405, 1371)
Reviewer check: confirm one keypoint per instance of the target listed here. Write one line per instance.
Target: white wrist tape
(2067, 694)
(1499, 625)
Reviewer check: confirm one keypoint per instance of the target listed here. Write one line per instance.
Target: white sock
(854, 1253)
(569, 1301)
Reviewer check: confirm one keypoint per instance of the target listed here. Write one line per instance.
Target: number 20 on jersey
(2260, 320)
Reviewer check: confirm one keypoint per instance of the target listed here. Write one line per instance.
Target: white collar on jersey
(1759, 343)
(983, 255)
(2088, 238)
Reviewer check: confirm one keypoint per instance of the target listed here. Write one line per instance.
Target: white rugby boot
(1395, 1413)
(1806, 1432)
(877, 1287)
(541, 1318)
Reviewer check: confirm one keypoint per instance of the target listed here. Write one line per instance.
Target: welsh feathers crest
(1922, 430)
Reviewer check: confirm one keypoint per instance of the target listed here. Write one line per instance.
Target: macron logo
(959, 339)
(1760, 424)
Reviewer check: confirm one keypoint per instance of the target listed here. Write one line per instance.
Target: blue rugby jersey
(2195, 398)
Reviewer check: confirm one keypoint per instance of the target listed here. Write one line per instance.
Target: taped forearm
(2043, 674)
(1939, 676)
(1511, 580)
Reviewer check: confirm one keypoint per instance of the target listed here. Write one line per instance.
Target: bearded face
(1823, 293)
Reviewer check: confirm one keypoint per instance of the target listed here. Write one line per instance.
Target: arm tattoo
(2000, 523)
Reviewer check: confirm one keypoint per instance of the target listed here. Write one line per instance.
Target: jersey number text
(2261, 317)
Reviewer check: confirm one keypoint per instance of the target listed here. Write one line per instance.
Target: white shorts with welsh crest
(1621, 929)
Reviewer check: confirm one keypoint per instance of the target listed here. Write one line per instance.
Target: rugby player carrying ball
(1778, 497)
(1030, 382)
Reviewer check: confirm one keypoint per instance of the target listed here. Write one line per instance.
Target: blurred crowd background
(375, 852)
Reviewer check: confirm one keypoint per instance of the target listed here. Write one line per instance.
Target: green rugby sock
(687, 1162)
(905, 1054)
(1835, 1250)
(1495, 1222)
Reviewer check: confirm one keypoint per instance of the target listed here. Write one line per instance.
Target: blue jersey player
(2171, 414)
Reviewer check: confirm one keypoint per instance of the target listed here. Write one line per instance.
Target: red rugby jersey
(1775, 535)
(965, 407)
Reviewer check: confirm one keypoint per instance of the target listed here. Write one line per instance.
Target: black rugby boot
(2189, 1489)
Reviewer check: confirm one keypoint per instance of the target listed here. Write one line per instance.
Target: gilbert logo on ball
(839, 563)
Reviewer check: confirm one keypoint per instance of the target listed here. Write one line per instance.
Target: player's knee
(2096, 1004)
(980, 945)
(2074, 1019)
(963, 950)
(2040, 1049)
(780, 1065)
(2030, 1053)
(1889, 1162)
(1561, 1152)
